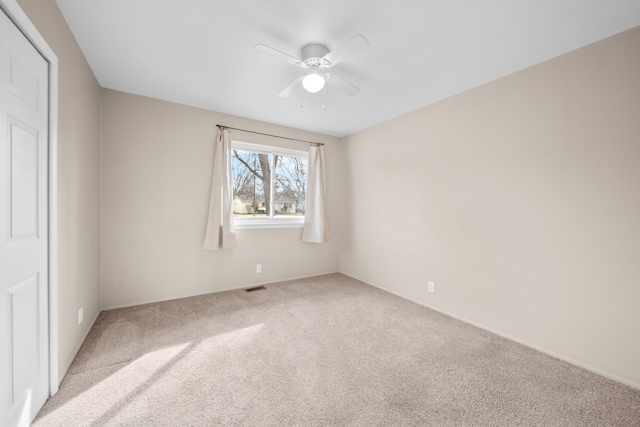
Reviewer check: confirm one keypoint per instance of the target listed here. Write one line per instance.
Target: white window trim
(257, 223)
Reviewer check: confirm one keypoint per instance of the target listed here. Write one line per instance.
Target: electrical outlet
(80, 315)
(431, 287)
(258, 268)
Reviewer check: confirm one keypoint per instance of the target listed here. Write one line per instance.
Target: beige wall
(520, 199)
(156, 178)
(78, 186)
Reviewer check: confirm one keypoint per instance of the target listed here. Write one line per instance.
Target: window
(269, 186)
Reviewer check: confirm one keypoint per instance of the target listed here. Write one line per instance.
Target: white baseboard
(75, 352)
(570, 360)
(231, 288)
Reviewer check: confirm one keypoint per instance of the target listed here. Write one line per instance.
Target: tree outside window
(268, 183)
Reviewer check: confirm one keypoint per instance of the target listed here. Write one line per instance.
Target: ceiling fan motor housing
(312, 54)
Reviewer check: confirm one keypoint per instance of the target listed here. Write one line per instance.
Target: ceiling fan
(316, 59)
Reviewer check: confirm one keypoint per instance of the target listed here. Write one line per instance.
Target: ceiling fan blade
(351, 47)
(341, 84)
(290, 59)
(290, 88)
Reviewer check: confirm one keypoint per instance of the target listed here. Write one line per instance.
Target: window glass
(290, 185)
(251, 183)
(269, 185)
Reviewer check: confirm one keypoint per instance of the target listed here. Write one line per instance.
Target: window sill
(248, 224)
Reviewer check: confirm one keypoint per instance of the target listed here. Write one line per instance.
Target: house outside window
(269, 186)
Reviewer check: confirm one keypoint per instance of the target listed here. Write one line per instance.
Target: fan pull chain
(324, 97)
(302, 98)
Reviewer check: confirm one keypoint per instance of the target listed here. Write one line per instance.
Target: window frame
(272, 221)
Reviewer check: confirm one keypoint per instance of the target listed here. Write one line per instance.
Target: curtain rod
(222, 127)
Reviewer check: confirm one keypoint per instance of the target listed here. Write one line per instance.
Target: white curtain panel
(220, 232)
(316, 221)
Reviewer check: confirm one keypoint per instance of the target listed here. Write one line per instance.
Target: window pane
(251, 183)
(289, 185)
(268, 183)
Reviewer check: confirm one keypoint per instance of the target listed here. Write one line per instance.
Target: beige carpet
(325, 351)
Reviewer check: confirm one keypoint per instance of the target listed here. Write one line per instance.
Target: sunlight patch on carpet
(237, 338)
(109, 396)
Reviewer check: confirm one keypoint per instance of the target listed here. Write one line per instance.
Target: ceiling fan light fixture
(313, 82)
(317, 61)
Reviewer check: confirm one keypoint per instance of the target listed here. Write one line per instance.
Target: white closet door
(24, 334)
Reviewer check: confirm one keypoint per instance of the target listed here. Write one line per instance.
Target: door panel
(23, 176)
(24, 330)
(24, 280)
(23, 82)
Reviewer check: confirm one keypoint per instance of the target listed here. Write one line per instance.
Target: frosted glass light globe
(313, 82)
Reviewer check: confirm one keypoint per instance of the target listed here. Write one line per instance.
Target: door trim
(17, 15)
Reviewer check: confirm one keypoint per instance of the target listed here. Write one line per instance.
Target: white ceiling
(200, 52)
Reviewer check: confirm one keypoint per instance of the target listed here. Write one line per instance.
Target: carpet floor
(322, 351)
